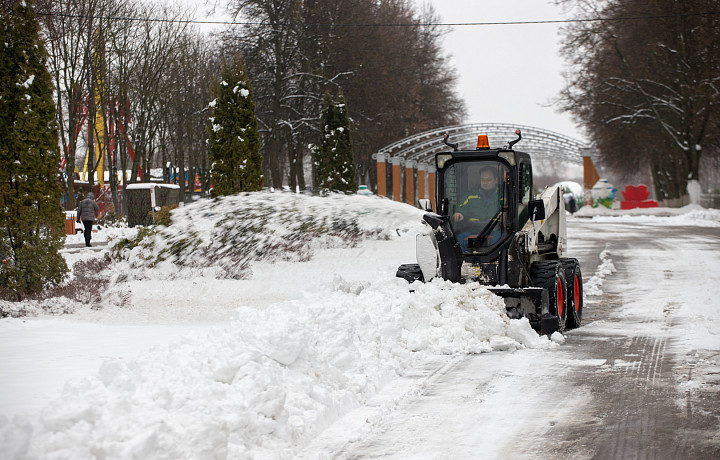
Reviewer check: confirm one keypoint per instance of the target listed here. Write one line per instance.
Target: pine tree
(234, 141)
(31, 220)
(333, 156)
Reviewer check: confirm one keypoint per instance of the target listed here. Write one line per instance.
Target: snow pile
(693, 215)
(268, 382)
(592, 286)
(52, 306)
(687, 215)
(264, 385)
(222, 238)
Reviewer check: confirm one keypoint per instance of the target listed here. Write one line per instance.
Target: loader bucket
(531, 302)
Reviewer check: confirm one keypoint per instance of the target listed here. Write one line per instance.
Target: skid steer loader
(488, 228)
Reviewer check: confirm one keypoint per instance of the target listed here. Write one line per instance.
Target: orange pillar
(431, 186)
(410, 182)
(590, 174)
(421, 181)
(396, 178)
(381, 175)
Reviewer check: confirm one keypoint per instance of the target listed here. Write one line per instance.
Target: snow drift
(271, 379)
(222, 238)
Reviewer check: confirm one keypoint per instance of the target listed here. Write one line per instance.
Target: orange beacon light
(483, 142)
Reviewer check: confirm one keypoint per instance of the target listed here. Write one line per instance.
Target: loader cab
(485, 195)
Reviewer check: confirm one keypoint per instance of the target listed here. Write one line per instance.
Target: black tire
(410, 273)
(550, 274)
(575, 298)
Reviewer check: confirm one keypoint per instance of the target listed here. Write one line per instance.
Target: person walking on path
(87, 212)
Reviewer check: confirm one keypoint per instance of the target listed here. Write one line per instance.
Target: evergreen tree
(333, 156)
(31, 220)
(234, 142)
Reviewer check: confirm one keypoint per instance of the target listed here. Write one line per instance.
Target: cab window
(476, 195)
(525, 192)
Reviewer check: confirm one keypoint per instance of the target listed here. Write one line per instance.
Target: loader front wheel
(550, 274)
(410, 273)
(575, 300)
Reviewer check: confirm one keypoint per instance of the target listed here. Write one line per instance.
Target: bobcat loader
(515, 244)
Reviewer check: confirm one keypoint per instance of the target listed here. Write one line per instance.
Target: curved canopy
(539, 143)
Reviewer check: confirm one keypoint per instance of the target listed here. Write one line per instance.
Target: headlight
(507, 155)
(441, 159)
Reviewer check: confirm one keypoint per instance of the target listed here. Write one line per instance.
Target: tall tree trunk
(180, 152)
(273, 159)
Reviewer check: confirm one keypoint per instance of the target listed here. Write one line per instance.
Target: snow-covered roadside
(687, 215)
(39, 355)
(270, 380)
(303, 348)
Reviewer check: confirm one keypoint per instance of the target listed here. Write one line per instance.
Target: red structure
(637, 197)
(116, 113)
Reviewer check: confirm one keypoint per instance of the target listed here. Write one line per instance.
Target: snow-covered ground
(248, 327)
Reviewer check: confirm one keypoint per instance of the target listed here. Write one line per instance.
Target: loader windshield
(476, 193)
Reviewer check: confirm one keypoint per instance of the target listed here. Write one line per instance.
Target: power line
(425, 24)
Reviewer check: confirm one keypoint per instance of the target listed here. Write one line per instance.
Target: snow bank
(222, 238)
(225, 239)
(592, 287)
(267, 383)
(687, 215)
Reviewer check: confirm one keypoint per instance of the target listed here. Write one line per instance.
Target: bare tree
(66, 23)
(379, 54)
(136, 68)
(157, 46)
(647, 81)
(187, 104)
(405, 89)
(128, 71)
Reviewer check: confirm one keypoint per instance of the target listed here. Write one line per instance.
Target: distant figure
(87, 212)
(570, 203)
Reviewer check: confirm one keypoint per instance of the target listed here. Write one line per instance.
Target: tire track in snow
(372, 419)
(633, 413)
(648, 326)
(637, 326)
(651, 340)
(639, 415)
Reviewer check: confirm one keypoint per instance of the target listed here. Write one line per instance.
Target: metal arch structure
(540, 143)
(416, 153)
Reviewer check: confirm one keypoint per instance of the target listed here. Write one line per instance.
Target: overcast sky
(506, 73)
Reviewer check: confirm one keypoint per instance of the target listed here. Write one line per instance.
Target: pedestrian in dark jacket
(87, 212)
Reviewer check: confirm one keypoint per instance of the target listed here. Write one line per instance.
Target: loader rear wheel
(575, 300)
(550, 274)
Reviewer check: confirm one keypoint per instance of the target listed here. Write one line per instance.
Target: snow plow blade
(531, 302)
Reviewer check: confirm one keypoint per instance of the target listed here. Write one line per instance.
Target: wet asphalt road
(637, 410)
